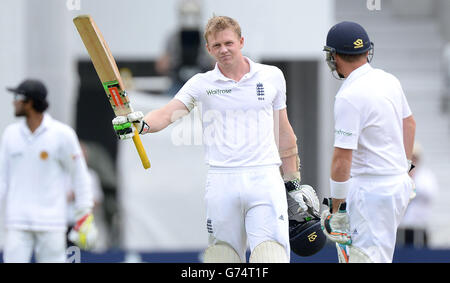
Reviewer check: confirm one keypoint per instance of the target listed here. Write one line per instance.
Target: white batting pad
(269, 252)
(221, 253)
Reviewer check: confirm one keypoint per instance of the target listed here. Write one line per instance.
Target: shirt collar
(219, 76)
(46, 120)
(357, 73)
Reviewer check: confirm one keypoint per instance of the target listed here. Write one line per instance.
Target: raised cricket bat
(109, 75)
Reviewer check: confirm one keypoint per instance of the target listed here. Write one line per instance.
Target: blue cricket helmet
(348, 38)
(306, 238)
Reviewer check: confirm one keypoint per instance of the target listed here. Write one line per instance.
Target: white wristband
(339, 190)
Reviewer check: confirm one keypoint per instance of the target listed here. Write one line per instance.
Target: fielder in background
(414, 228)
(374, 136)
(36, 155)
(243, 108)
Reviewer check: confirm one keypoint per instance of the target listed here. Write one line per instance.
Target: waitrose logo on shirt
(217, 91)
(342, 133)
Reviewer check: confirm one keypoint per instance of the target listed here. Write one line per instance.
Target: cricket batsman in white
(374, 137)
(243, 111)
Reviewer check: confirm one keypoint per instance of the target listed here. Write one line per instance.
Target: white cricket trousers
(48, 246)
(376, 205)
(246, 205)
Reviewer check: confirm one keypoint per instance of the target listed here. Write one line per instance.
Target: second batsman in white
(243, 111)
(374, 136)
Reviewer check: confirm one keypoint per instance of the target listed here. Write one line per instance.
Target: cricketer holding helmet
(374, 136)
(242, 104)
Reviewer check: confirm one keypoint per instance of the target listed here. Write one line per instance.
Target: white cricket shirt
(34, 172)
(369, 111)
(238, 117)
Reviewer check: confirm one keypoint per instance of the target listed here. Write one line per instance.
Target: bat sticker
(116, 96)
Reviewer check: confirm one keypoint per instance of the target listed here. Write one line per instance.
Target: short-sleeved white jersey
(369, 111)
(35, 169)
(238, 117)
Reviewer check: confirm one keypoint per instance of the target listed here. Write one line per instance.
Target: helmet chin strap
(371, 52)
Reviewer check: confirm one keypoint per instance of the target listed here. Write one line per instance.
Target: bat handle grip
(140, 148)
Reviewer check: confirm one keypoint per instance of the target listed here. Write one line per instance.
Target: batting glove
(123, 125)
(336, 225)
(137, 118)
(123, 128)
(84, 233)
(301, 198)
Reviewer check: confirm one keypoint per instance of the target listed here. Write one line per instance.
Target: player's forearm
(340, 170)
(157, 120)
(287, 144)
(161, 118)
(289, 165)
(340, 176)
(81, 182)
(3, 180)
(84, 199)
(409, 131)
(338, 188)
(4, 168)
(341, 165)
(289, 153)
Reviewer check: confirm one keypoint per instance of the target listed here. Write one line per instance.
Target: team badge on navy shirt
(260, 91)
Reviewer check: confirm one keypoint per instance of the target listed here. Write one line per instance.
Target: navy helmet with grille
(348, 38)
(306, 238)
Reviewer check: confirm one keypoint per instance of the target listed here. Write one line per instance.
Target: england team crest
(260, 91)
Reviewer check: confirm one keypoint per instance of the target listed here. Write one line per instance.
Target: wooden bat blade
(109, 74)
(98, 50)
